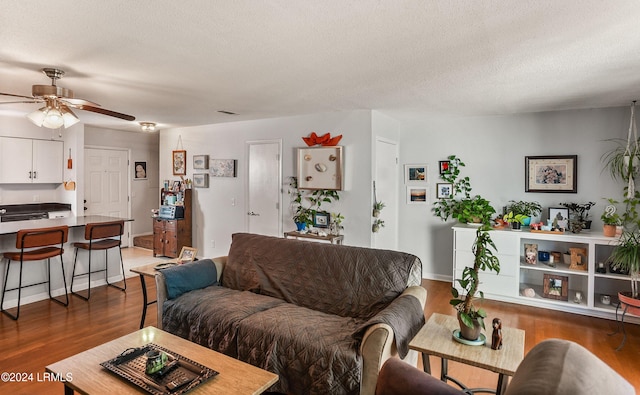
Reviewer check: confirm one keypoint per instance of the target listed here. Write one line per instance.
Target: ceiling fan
(58, 103)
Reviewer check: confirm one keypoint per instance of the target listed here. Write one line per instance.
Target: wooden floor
(47, 332)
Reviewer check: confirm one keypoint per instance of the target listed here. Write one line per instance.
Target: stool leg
(66, 303)
(13, 317)
(124, 281)
(73, 275)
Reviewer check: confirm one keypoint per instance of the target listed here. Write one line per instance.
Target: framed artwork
(222, 167)
(444, 190)
(179, 162)
(320, 168)
(201, 162)
(321, 219)
(187, 254)
(559, 216)
(556, 287)
(201, 180)
(416, 195)
(444, 166)
(551, 173)
(140, 170)
(415, 174)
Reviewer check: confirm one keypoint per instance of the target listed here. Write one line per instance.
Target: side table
(333, 239)
(435, 338)
(148, 270)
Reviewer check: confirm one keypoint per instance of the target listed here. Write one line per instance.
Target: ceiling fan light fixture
(69, 117)
(147, 126)
(53, 119)
(38, 116)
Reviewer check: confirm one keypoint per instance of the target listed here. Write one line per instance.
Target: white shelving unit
(516, 275)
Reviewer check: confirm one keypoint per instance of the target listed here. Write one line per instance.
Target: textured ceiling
(179, 62)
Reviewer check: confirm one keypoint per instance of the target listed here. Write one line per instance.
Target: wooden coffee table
(88, 377)
(435, 338)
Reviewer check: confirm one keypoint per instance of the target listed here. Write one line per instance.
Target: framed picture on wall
(551, 173)
(320, 168)
(222, 167)
(201, 180)
(179, 162)
(416, 195)
(444, 190)
(414, 174)
(201, 162)
(140, 170)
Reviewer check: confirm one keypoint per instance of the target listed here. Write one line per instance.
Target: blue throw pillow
(189, 276)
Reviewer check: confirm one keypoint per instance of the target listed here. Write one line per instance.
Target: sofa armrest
(378, 345)
(161, 287)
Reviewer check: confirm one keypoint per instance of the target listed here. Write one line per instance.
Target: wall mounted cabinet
(516, 275)
(27, 161)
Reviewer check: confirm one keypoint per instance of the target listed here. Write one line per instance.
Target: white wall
(493, 149)
(215, 218)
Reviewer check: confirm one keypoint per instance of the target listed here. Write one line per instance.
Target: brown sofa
(552, 367)
(323, 317)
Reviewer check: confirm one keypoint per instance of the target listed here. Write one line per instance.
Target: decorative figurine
(496, 337)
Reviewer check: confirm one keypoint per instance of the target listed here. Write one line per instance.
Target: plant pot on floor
(470, 333)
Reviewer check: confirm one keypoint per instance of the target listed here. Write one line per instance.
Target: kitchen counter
(7, 228)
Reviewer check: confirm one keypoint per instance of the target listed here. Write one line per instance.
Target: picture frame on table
(561, 215)
(555, 174)
(187, 254)
(555, 287)
(201, 180)
(320, 168)
(201, 162)
(179, 162)
(176, 186)
(444, 190)
(415, 173)
(417, 195)
(321, 219)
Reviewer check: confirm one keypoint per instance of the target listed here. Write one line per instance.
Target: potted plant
(463, 207)
(578, 215)
(377, 224)
(516, 220)
(459, 204)
(377, 207)
(336, 223)
(303, 216)
(527, 209)
(626, 258)
(610, 219)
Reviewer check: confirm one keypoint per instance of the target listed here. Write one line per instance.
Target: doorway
(106, 185)
(264, 187)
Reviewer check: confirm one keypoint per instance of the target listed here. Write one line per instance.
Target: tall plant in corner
(458, 206)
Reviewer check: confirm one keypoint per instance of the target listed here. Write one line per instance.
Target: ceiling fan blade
(106, 112)
(20, 101)
(12, 95)
(79, 102)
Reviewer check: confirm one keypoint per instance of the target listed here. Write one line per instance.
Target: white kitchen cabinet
(516, 275)
(27, 161)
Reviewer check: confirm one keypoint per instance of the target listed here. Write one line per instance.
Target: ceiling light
(147, 126)
(53, 116)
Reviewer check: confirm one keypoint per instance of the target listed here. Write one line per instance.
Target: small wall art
(444, 166)
(414, 174)
(179, 162)
(416, 195)
(201, 162)
(140, 170)
(201, 180)
(444, 190)
(320, 168)
(222, 167)
(551, 173)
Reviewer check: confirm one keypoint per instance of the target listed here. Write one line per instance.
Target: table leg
(144, 301)
(68, 390)
(426, 364)
(444, 369)
(503, 381)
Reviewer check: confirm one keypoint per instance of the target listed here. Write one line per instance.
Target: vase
(609, 230)
(470, 333)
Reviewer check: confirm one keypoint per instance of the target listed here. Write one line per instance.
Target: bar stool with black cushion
(40, 244)
(101, 236)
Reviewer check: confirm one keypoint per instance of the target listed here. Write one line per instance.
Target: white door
(107, 184)
(264, 185)
(386, 178)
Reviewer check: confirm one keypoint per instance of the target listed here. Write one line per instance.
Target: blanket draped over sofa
(302, 310)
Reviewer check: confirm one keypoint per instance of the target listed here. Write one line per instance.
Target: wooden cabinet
(586, 285)
(170, 235)
(26, 161)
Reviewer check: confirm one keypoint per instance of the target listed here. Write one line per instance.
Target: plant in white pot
(471, 318)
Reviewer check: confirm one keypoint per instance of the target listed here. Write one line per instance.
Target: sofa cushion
(210, 316)
(312, 352)
(335, 279)
(555, 367)
(190, 276)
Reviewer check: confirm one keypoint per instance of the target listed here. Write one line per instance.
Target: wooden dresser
(170, 235)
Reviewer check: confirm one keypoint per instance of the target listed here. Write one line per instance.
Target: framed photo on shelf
(179, 162)
(444, 190)
(444, 166)
(321, 219)
(551, 173)
(320, 168)
(201, 162)
(559, 216)
(201, 180)
(175, 187)
(187, 254)
(556, 287)
(415, 174)
(416, 195)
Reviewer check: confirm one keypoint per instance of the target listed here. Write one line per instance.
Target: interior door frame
(127, 224)
(248, 145)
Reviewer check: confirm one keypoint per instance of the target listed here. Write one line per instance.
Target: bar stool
(48, 243)
(100, 236)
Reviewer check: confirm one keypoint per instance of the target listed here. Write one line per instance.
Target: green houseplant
(526, 209)
(471, 317)
(516, 220)
(303, 216)
(377, 207)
